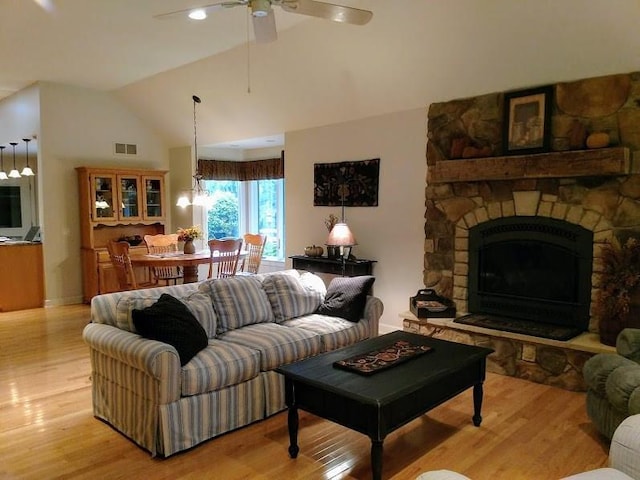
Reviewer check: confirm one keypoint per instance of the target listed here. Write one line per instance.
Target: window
(255, 206)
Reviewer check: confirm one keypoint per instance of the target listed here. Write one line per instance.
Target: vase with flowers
(188, 235)
(330, 222)
(618, 301)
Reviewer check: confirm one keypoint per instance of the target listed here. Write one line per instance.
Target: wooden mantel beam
(579, 163)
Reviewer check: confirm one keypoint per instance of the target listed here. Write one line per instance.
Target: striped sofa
(254, 324)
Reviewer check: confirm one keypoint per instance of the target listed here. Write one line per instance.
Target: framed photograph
(527, 121)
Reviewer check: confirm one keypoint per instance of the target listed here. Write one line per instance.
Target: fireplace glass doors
(531, 268)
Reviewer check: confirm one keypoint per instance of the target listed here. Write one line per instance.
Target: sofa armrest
(628, 344)
(624, 454)
(373, 309)
(114, 352)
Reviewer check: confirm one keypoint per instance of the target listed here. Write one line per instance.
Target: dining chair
(254, 244)
(119, 255)
(164, 243)
(227, 257)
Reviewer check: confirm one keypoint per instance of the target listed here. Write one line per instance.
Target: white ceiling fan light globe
(198, 14)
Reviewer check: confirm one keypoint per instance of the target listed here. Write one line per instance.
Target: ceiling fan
(264, 24)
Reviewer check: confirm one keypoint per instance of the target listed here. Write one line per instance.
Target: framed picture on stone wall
(527, 121)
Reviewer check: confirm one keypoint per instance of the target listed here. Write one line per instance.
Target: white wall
(78, 128)
(391, 233)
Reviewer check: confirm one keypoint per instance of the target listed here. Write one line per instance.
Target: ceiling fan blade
(337, 13)
(264, 28)
(207, 8)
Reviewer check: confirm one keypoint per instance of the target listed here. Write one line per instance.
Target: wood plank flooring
(47, 430)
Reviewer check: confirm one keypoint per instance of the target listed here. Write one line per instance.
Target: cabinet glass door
(153, 197)
(129, 196)
(104, 198)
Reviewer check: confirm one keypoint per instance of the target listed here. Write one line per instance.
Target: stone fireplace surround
(526, 203)
(596, 189)
(603, 204)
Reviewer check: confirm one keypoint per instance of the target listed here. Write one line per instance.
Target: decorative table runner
(383, 358)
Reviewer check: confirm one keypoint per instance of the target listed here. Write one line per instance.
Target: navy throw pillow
(346, 297)
(170, 321)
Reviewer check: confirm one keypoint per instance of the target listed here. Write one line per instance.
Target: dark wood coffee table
(377, 404)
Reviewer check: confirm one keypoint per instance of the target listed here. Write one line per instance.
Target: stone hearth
(540, 360)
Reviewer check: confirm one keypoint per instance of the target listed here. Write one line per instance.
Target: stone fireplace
(595, 191)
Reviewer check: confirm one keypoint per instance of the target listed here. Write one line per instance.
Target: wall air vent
(125, 149)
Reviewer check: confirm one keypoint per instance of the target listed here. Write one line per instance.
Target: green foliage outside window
(223, 216)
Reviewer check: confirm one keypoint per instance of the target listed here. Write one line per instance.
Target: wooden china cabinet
(115, 204)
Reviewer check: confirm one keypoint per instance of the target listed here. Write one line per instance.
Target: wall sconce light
(3, 175)
(14, 173)
(26, 171)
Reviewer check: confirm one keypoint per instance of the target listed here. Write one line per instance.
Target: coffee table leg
(477, 404)
(293, 431)
(376, 459)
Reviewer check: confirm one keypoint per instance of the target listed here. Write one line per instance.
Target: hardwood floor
(47, 430)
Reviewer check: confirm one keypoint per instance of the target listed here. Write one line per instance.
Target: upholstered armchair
(613, 383)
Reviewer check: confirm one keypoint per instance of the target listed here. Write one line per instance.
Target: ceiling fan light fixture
(197, 14)
(260, 8)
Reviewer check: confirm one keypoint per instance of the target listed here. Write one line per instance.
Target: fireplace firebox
(535, 269)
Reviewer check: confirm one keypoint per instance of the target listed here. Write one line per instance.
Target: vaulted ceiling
(318, 72)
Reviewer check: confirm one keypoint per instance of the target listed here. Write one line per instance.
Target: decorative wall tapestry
(354, 182)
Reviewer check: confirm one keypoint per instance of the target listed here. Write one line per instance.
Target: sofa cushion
(219, 365)
(170, 321)
(289, 297)
(276, 343)
(198, 303)
(346, 297)
(238, 301)
(334, 332)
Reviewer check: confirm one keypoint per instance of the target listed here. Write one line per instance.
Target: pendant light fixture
(14, 173)
(3, 175)
(200, 196)
(26, 171)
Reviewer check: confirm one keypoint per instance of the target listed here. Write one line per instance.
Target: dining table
(188, 261)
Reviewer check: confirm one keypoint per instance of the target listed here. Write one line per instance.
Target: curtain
(242, 171)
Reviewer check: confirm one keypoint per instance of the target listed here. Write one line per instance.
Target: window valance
(242, 171)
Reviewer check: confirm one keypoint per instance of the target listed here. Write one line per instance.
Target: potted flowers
(188, 235)
(330, 222)
(618, 304)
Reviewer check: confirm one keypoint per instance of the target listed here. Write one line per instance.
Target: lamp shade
(341, 235)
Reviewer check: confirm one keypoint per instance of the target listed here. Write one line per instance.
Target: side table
(348, 268)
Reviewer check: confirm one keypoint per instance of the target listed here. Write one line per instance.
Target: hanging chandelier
(199, 195)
